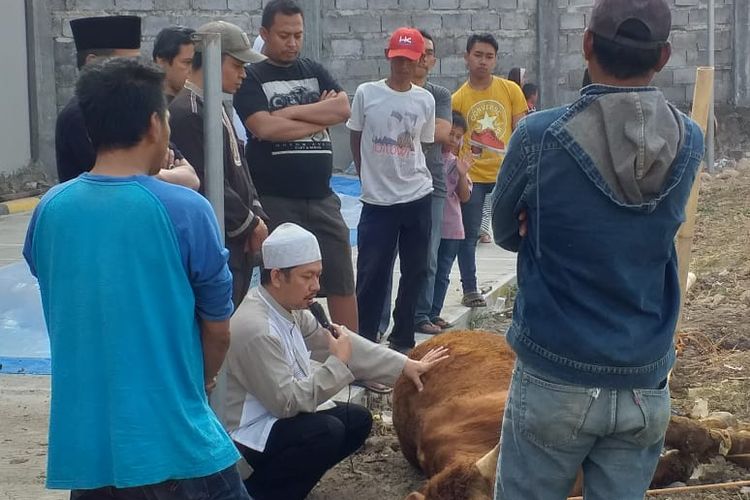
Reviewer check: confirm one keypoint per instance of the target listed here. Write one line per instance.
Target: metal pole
(711, 62)
(213, 154)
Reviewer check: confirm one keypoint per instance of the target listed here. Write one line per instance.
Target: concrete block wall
(689, 48)
(156, 14)
(354, 33)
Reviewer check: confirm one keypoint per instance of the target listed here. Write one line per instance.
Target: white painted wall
(15, 144)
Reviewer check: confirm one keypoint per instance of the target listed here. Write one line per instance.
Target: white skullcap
(290, 245)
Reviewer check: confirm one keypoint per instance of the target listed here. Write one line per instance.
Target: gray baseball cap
(609, 15)
(234, 41)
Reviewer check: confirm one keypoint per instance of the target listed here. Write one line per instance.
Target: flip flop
(473, 299)
(373, 386)
(440, 322)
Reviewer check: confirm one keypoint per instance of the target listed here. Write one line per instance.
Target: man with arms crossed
(288, 103)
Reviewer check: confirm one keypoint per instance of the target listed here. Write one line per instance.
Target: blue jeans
(424, 299)
(223, 485)
(552, 428)
(446, 256)
(471, 214)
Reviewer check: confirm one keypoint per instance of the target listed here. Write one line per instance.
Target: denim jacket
(604, 183)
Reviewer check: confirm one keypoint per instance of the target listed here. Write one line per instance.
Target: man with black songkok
(95, 38)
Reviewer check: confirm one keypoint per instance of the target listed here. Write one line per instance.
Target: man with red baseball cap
(390, 121)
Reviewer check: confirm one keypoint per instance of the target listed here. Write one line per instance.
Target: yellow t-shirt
(489, 115)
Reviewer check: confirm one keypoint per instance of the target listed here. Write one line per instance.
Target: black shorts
(322, 217)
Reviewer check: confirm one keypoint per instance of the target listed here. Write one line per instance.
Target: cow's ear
(415, 495)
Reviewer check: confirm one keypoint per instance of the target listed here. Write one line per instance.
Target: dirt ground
(714, 366)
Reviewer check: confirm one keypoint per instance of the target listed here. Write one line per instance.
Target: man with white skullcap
(283, 368)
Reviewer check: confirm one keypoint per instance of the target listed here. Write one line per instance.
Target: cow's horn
(488, 463)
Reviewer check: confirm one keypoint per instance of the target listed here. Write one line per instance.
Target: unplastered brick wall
(689, 48)
(354, 33)
(156, 14)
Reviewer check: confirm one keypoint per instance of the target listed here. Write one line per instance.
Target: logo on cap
(405, 40)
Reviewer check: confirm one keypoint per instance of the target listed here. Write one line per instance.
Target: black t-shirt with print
(292, 169)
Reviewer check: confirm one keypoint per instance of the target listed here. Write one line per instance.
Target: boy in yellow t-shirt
(492, 107)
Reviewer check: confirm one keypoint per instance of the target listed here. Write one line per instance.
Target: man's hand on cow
(340, 346)
(522, 224)
(413, 370)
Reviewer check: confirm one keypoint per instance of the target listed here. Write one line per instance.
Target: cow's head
(472, 481)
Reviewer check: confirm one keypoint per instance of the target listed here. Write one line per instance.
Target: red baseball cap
(406, 42)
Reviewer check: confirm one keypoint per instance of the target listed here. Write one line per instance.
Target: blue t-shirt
(126, 267)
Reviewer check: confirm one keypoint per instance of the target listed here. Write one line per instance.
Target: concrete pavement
(12, 235)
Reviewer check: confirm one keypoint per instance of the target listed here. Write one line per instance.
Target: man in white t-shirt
(390, 121)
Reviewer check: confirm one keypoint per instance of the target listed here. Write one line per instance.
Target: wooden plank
(691, 489)
(702, 96)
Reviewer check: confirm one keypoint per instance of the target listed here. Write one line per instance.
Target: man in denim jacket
(590, 196)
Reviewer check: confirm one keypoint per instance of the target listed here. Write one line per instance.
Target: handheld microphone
(317, 310)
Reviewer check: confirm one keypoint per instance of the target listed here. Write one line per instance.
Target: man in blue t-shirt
(137, 297)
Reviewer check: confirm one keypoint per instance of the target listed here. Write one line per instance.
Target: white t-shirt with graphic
(394, 125)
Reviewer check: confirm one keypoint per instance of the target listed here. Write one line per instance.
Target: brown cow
(451, 429)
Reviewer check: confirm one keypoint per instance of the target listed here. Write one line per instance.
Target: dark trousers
(380, 231)
(224, 485)
(302, 448)
(471, 214)
(447, 252)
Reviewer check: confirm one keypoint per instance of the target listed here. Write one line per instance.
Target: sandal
(428, 328)
(440, 322)
(473, 299)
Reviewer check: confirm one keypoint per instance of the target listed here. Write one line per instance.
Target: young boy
(458, 186)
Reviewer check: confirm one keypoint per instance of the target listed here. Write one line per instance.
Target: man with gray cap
(593, 217)
(283, 368)
(244, 219)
